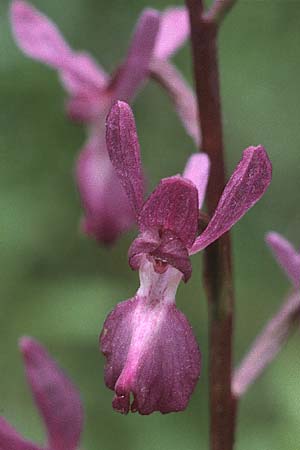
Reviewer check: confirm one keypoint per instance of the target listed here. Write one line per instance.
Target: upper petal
(246, 186)
(286, 255)
(56, 397)
(197, 171)
(135, 68)
(11, 440)
(173, 31)
(152, 353)
(173, 206)
(124, 152)
(39, 38)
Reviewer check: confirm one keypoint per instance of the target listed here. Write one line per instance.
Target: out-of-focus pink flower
(56, 398)
(286, 255)
(92, 92)
(148, 343)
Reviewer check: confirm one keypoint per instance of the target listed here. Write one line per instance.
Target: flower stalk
(218, 266)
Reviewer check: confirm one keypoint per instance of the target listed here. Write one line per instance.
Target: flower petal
(173, 31)
(39, 38)
(135, 68)
(56, 397)
(246, 186)
(173, 206)
(83, 76)
(286, 255)
(152, 353)
(124, 152)
(107, 210)
(197, 171)
(181, 95)
(11, 440)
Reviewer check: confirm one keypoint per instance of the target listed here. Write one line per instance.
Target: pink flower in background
(91, 93)
(149, 345)
(286, 255)
(56, 398)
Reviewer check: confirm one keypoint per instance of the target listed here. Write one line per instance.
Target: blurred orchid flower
(91, 94)
(286, 255)
(57, 400)
(274, 335)
(148, 343)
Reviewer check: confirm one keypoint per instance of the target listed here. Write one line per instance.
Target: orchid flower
(57, 399)
(149, 344)
(286, 255)
(92, 92)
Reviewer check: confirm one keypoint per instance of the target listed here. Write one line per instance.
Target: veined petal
(246, 186)
(11, 440)
(55, 396)
(286, 255)
(107, 210)
(150, 349)
(135, 68)
(173, 31)
(172, 206)
(124, 152)
(197, 171)
(39, 38)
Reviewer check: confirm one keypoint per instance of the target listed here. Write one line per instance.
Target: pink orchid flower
(92, 92)
(57, 400)
(149, 345)
(286, 255)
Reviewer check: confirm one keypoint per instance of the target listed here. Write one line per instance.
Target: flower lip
(150, 348)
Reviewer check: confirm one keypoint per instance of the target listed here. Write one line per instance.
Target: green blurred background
(58, 286)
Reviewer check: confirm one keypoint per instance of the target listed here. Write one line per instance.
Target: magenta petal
(286, 255)
(55, 396)
(107, 210)
(37, 36)
(246, 186)
(11, 440)
(83, 76)
(151, 352)
(173, 206)
(173, 31)
(124, 151)
(197, 171)
(135, 68)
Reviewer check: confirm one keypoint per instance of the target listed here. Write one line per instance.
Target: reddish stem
(218, 272)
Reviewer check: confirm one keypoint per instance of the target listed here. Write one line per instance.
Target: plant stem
(217, 272)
